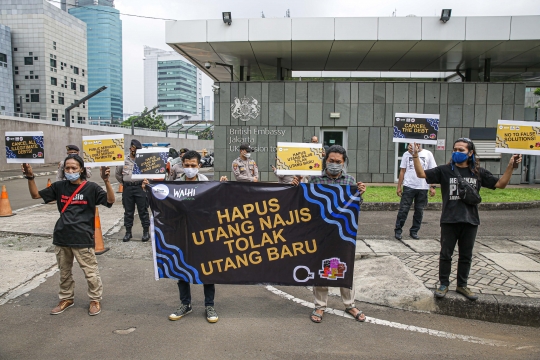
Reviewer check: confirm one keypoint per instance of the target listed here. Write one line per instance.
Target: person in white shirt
(414, 189)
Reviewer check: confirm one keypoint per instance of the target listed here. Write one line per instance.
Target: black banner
(253, 233)
(150, 164)
(25, 147)
(420, 128)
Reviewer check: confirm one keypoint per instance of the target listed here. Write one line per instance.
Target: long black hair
(473, 161)
(81, 163)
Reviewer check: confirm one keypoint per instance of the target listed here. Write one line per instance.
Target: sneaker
(414, 235)
(465, 291)
(182, 311)
(62, 306)
(211, 314)
(441, 291)
(397, 235)
(94, 309)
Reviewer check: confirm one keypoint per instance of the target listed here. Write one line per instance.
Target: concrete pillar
(241, 73)
(487, 70)
(278, 70)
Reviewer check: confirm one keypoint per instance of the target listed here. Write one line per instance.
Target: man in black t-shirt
(459, 221)
(74, 231)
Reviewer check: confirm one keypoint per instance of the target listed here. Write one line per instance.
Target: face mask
(191, 172)
(247, 155)
(459, 157)
(72, 177)
(334, 169)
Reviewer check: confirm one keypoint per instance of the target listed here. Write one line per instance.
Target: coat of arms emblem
(245, 109)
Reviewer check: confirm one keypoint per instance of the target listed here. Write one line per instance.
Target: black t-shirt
(75, 227)
(454, 209)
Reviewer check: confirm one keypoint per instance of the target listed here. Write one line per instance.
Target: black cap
(247, 147)
(184, 150)
(72, 147)
(136, 143)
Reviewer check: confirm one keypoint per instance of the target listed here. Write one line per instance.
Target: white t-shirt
(411, 180)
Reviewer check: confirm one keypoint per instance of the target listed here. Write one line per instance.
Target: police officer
(244, 168)
(70, 150)
(133, 194)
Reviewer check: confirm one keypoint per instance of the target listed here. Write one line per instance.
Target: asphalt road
(254, 324)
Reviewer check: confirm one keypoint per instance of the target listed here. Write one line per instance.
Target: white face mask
(191, 172)
(248, 155)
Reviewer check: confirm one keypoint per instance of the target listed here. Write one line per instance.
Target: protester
(191, 162)
(133, 194)
(73, 235)
(177, 169)
(414, 189)
(459, 220)
(71, 150)
(244, 168)
(334, 173)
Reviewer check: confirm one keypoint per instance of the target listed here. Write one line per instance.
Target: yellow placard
(518, 137)
(299, 158)
(103, 150)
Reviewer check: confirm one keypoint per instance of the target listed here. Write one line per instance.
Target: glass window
(14, 49)
(61, 100)
(34, 98)
(53, 63)
(76, 70)
(35, 58)
(53, 81)
(37, 76)
(81, 88)
(54, 117)
(28, 61)
(3, 57)
(73, 86)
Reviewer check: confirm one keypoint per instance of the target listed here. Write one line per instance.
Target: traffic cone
(5, 207)
(98, 236)
(120, 188)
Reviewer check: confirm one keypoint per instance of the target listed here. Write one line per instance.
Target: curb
(377, 206)
(492, 308)
(36, 174)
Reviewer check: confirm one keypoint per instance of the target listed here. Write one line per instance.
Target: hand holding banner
(25, 147)
(103, 150)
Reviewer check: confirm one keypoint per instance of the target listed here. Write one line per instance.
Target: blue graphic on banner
(136, 169)
(332, 213)
(169, 259)
(164, 156)
(38, 140)
(398, 133)
(434, 123)
(10, 154)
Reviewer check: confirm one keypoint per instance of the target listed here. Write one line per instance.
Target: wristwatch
(29, 178)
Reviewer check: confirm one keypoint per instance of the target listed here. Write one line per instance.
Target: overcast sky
(138, 32)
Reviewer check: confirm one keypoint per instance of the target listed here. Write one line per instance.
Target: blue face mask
(459, 157)
(72, 177)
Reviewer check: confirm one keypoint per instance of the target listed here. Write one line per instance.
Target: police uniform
(245, 170)
(133, 194)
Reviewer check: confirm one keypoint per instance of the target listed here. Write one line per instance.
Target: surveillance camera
(215, 87)
(208, 65)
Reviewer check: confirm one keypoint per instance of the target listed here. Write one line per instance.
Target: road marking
(28, 285)
(28, 207)
(437, 333)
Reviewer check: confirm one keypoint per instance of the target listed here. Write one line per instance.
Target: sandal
(314, 313)
(357, 317)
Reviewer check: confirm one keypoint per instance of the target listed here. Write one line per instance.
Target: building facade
(173, 83)
(295, 111)
(104, 46)
(6, 72)
(49, 59)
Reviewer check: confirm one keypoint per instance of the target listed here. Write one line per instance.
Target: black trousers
(420, 198)
(465, 235)
(185, 293)
(135, 195)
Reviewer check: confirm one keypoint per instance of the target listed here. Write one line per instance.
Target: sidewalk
(39, 170)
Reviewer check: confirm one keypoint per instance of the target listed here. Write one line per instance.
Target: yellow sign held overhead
(103, 150)
(518, 137)
(299, 158)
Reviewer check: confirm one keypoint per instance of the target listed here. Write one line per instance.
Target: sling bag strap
(73, 195)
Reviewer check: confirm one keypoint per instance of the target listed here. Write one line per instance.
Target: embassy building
(344, 79)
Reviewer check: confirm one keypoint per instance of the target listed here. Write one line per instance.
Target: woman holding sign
(73, 234)
(461, 180)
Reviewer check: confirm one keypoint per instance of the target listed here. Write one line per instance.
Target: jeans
(185, 293)
(420, 198)
(465, 235)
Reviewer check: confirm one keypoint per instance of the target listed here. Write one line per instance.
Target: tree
(149, 121)
(537, 92)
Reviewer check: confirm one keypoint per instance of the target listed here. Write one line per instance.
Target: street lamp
(77, 103)
(227, 18)
(445, 15)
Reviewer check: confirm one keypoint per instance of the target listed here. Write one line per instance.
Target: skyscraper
(104, 39)
(173, 83)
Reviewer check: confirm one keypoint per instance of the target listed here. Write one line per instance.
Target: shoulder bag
(467, 193)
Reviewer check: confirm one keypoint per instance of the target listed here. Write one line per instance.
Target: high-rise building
(104, 39)
(49, 59)
(6, 71)
(173, 83)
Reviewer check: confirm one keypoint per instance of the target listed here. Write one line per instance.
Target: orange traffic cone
(120, 188)
(98, 236)
(5, 207)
